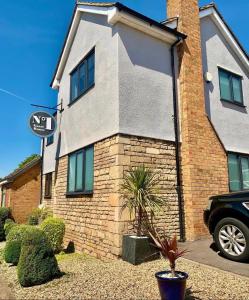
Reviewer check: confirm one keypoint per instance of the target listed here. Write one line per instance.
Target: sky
(31, 37)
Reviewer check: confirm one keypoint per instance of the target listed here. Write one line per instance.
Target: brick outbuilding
(20, 190)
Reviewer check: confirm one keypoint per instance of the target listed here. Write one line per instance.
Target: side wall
(230, 121)
(25, 194)
(95, 223)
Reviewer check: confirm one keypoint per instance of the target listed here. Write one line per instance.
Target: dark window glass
(48, 185)
(238, 166)
(80, 171)
(230, 87)
(50, 140)
(82, 78)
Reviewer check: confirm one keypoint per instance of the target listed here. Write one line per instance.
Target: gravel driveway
(89, 278)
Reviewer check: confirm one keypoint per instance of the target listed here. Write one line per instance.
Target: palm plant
(169, 250)
(141, 194)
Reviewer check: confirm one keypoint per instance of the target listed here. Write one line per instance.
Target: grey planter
(137, 250)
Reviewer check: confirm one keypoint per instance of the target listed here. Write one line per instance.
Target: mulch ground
(88, 278)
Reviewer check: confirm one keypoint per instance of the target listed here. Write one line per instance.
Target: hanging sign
(42, 124)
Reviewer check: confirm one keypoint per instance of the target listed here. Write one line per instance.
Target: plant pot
(172, 288)
(137, 250)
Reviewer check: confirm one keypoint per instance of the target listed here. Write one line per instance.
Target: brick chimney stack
(203, 158)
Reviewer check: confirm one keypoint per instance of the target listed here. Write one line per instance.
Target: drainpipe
(177, 143)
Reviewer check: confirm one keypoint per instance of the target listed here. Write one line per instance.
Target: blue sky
(32, 34)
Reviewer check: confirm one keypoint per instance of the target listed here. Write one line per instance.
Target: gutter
(177, 142)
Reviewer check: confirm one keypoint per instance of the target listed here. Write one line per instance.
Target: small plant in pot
(141, 199)
(172, 283)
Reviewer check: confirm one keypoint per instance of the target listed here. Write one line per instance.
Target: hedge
(54, 229)
(4, 214)
(37, 263)
(38, 215)
(15, 237)
(9, 224)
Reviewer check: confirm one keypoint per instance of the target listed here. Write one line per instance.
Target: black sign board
(42, 124)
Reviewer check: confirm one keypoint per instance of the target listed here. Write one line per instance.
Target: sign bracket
(52, 108)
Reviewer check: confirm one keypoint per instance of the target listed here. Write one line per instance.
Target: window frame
(231, 76)
(77, 69)
(77, 191)
(239, 157)
(50, 176)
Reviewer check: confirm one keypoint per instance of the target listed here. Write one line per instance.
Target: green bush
(38, 215)
(15, 237)
(54, 229)
(12, 252)
(37, 263)
(4, 214)
(9, 224)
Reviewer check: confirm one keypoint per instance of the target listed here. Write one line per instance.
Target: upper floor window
(238, 166)
(50, 140)
(230, 87)
(82, 77)
(80, 171)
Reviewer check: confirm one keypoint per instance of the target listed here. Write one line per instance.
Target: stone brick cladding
(203, 158)
(95, 223)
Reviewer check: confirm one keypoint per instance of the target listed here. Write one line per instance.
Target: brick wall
(25, 194)
(95, 223)
(203, 159)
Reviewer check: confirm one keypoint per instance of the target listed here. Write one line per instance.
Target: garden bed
(89, 278)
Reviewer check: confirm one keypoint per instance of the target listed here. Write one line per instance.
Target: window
(82, 77)
(80, 171)
(238, 166)
(230, 87)
(48, 185)
(3, 200)
(50, 140)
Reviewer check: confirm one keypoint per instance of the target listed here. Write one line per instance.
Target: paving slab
(205, 252)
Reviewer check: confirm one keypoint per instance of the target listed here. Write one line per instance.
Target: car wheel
(232, 238)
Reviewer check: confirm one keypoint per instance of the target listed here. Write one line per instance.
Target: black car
(227, 218)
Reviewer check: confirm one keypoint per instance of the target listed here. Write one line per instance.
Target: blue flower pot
(172, 288)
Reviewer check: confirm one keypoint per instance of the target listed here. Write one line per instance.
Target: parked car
(227, 218)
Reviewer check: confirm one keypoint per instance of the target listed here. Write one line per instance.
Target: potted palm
(141, 199)
(172, 283)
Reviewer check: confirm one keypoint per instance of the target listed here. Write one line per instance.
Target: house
(20, 190)
(172, 96)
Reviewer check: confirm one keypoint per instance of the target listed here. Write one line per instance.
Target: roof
(213, 6)
(20, 171)
(121, 8)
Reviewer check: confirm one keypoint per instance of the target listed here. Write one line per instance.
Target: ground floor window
(48, 185)
(80, 171)
(3, 198)
(238, 166)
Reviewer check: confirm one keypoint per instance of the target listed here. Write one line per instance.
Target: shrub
(38, 215)
(37, 263)
(15, 237)
(9, 224)
(4, 214)
(54, 229)
(12, 252)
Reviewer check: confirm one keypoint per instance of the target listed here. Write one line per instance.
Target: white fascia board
(116, 16)
(226, 33)
(80, 9)
(3, 182)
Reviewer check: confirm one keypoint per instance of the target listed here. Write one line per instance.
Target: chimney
(203, 159)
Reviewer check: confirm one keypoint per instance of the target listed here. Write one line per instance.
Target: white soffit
(114, 16)
(226, 33)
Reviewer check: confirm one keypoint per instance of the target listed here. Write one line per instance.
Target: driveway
(205, 252)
